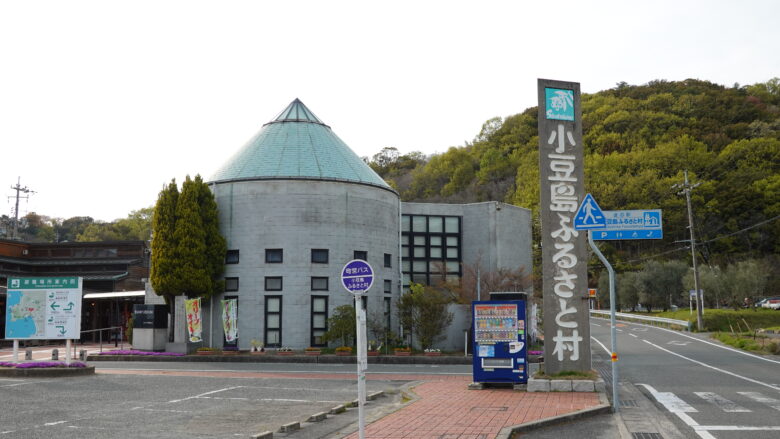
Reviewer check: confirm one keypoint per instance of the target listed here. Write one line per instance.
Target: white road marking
(602, 345)
(594, 324)
(755, 396)
(679, 343)
(48, 424)
(721, 402)
(205, 394)
(639, 329)
(680, 414)
(735, 428)
(714, 368)
(709, 343)
(634, 335)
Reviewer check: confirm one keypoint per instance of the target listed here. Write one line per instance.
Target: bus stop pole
(612, 323)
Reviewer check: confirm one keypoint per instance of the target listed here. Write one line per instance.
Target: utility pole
(686, 189)
(18, 188)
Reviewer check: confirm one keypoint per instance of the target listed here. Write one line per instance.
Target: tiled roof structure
(297, 145)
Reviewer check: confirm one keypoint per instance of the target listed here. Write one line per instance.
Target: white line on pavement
(708, 342)
(634, 335)
(755, 396)
(721, 402)
(713, 367)
(735, 428)
(602, 345)
(674, 409)
(205, 394)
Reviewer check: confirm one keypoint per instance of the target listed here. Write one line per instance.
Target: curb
(47, 372)
(508, 432)
(272, 358)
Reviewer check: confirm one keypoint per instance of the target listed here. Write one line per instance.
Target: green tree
(424, 311)
(216, 247)
(342, 326)
(163, 272)
(661, 284)
(192, 273)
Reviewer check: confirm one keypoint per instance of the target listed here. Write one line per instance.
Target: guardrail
(625, 316)
(118, 336)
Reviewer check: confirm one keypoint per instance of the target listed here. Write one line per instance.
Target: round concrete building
(296, 203)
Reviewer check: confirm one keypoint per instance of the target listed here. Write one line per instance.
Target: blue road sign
(630, 224)
(357, 276)
(589, 215)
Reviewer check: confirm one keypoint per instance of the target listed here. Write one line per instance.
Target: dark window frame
(271, 251)
(327, 283)
(326, 252)
(265, 321)
(226, 284)
(281, 283)
(387, 286)
(388, 260)
(312, 329)
(408, 249)
(228, 259)
(356, 254)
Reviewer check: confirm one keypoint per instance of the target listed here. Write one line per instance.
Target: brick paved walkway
(448, 410)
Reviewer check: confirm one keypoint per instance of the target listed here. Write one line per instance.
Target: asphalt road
(193, 400)
(708, 390)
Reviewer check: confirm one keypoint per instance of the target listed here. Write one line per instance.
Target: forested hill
(638, 141)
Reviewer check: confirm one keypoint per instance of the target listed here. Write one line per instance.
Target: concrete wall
(297, 216)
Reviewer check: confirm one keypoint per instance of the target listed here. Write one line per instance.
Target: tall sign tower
(564, 249)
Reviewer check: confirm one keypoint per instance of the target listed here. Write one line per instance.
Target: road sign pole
(612, 323)
(361, 373)
(16, 351)
(67, 351)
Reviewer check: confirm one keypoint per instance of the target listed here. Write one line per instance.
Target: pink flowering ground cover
(134, 352)
(41, 364)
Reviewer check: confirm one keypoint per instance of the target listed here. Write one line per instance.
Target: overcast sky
(102, 102)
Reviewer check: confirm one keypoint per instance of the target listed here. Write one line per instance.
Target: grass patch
(568, 375)
(750, 342)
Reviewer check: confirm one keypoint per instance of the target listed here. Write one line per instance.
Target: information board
(43, 308)
(631, 224)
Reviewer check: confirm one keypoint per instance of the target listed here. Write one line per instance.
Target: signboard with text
(357, 276)
(46, 308)
(564, 249)
(630, 224)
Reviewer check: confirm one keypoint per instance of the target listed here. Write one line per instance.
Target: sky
(103, 102)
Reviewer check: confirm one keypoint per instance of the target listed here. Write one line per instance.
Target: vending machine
(500, 354)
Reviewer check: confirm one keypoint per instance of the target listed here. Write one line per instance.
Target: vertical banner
(194, 326)
(230, 319)
(564, 250)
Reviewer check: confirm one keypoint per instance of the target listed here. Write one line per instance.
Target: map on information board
(43, 308)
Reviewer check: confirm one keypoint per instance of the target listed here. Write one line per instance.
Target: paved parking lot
(166, 406)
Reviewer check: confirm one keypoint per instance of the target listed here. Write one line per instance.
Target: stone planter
(433, 354)
(257, 352)
(403, 353)
(343, 353)
(373, 353)
(229, 352)
(285, 353)
(314, 353)
(206, 352)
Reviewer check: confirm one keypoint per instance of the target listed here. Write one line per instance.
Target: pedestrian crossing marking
(721, 402)
(758, 397)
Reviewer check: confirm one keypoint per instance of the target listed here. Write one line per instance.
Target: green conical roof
(297, 144)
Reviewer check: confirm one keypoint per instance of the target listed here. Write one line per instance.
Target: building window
(231, 257)
(273, 321)
(430, 249)
(319, 284)
(360, 255)
(319, 255)
(231, 284)
(364, 301)
(388, 313)
(388, 260)
(388, 287)
(319, 320)
(273, 255)
(273, 283)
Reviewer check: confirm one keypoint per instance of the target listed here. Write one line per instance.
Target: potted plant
(312, 351)
(257, 347)
(432, 352)
(343, 350)
(373, 349)
(285, 351)
(403, 351)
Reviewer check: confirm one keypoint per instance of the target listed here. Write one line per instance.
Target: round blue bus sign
(357, 276)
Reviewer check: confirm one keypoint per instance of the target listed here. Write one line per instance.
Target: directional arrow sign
(589, 215)
(62, 329)
(70, 307)
(54, 306)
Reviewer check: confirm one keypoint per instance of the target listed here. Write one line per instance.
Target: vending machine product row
(500, 354)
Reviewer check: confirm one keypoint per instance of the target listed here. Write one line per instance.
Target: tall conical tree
(163, 270)
(215, 242)
(192, 274)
